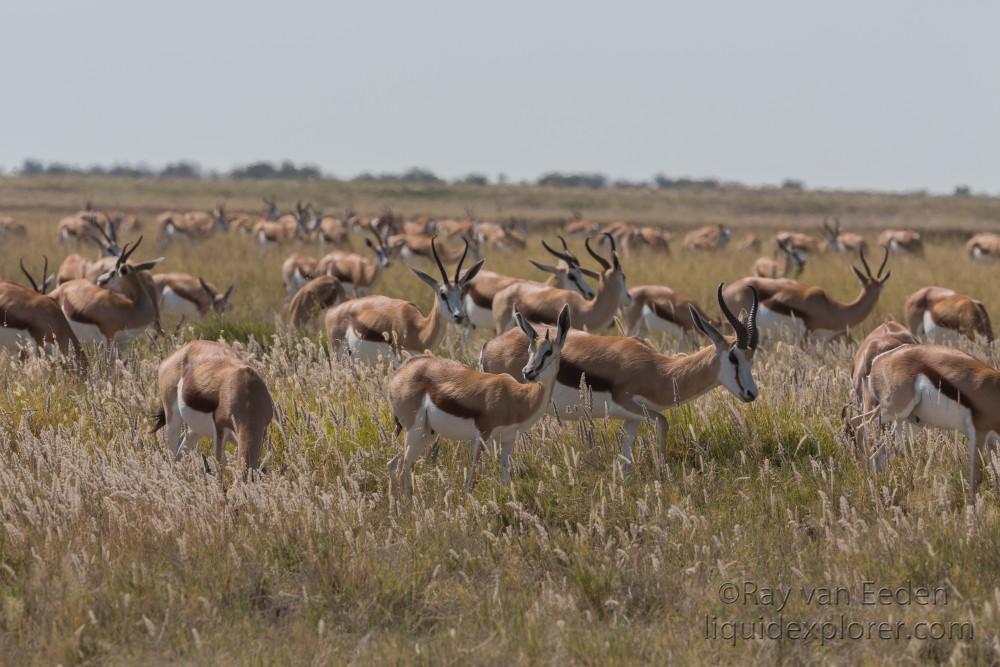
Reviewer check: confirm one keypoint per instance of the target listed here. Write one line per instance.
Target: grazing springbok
(542, 304)
(579, 227)
(749, 242)
(377, 326)
(808, 310)
(935, 386)
(942, 314)
(192, 225)
(285, 228)
(432, 397)
(626, 378)
(122, 304)
(448, 229)
(839, 241)
(566, 274)
(418, 246)
(649, 238)
(709, 237)
(497, 236)
(902, 241)
(803, 243)
(314, 297)
(297, 270)
(792, 267)
(76, 266)
(11, 227)
(983, 246)
(31, 319)
(329, 229)
(658, 309)
(184, 295)
(358, 274)
(212, 390)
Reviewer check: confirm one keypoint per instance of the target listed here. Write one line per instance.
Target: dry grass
(111, 553)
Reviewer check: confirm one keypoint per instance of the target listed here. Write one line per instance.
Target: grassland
(111, 553)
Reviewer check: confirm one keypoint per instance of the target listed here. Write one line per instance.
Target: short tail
(159, 420)
(399, 427)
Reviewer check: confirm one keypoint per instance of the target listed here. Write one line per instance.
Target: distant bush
(411, 175)
(962, 191)
(473, 179)
(792, 184)
(287, 170)
(665, 182)
(579, 180)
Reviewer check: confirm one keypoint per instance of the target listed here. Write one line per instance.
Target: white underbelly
(447, 425)
(87, 333)
(367, 351)
(128, 335)
(656, 324)
(770, 322)
(481, 318)
(15, 340)
(933, 408)
(201, 424)
(172, 303)
(569, 404)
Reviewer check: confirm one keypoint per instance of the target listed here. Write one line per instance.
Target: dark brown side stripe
(479, 298)
(450, 405)
(570, 374)
(370, 335)
(947, 388)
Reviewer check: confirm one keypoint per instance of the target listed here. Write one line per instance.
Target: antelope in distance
(297, 270)
(542, 304)
(942, 314)
(11, 227)
(314, 297)
(886, 336)
(193, 225)
(212, 390)
(122, 304)
(285, 228)
(749, 242)
(578, 226)
(31, 320)
(449, 229)
(792, 267)
(183, 295)
(332, 230)
(802, 243)
(983, 246)
(358, 274)
(709, 237)
(414, 246)
(499, 237)
(648, 238)
(374, 327)
(566, 274)
(839, 241)
(660, 309)
(902, 241)
(935, 386)
(809, 311)
(76, 266)
(626, 379)
(431, 397)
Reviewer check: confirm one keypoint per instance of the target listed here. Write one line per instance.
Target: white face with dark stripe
(736, 373)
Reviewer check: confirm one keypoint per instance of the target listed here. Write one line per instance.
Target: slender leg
(506, 449)
(181, 446)
(417, 439)
(220, 454)
(973, 466)
(631, 430)
(174, 425)
(470, 476)
(661, 440)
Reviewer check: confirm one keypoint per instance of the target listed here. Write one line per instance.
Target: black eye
(732, 358)
(124, 270)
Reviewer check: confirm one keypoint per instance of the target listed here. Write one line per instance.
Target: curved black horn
(434, 250)
(127, 251)
(31, 280)
(461, 260)
(753, 337)
(885, 259)
(742, 337)
(567, 250)
(600, 260)
(564, 256)
(864, 262)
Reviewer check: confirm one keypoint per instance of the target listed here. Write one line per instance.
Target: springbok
(413, 246)
(580, 227)
(285, 228)
(75, 266)
(314, 297)
(792, 267)
(802, 243)
(497, 236)
(209, 388)
(542, 304)
(941, 314)
(983, 246)
(659, 309)
(122, 304)
(432, 397)
(358, 274)
(650, 238)
(809, 310)
(329, 229)
(935, 386)
(749, 241)
(31, 319)
(626, 378)
(709, 237)
(839, 241)
(192, 225)
(297, 270)
(902, 241)
(377, 326)
(11, 227)
(184, 295)
(566, 274)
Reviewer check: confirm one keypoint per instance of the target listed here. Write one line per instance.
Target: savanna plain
(112, 553)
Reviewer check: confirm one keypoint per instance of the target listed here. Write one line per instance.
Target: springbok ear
(547, 268)
(426, 278)
(204, 286)
(528, 330)
(149, 265)
(706, 329)
(472, 272)
(229, 292)
(563, 324)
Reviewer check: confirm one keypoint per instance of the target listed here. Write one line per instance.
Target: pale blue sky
(887, 95)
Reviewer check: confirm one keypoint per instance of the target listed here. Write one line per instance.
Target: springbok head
(450, 293)
(270, 208)
(574, 272)
(797, 259)
(383, 253)
(220, 301)
(869, 282)
(735, 360)
(543, 352)
(123, 271)
(219, 217)
(612, 271)
(108, 241)
(832, 232)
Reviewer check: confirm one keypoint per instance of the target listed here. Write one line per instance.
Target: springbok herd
(551, 353)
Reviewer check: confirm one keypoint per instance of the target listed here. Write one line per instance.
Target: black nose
(750, 396)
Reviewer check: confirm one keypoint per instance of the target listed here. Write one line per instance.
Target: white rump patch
(172, 303)
(201, 424)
